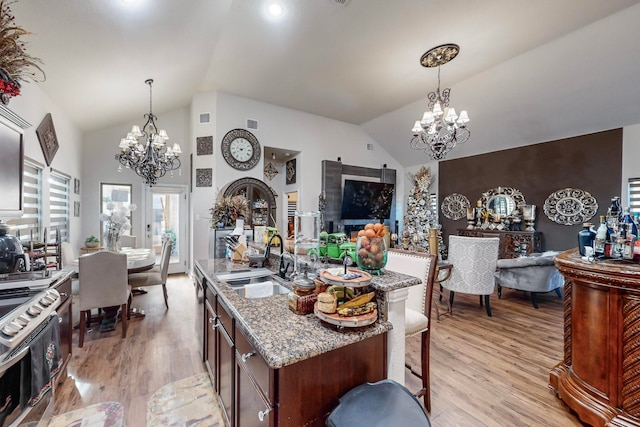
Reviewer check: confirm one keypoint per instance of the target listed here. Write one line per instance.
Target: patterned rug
(105, 414)
(188, 402)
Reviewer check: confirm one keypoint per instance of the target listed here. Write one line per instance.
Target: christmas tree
(421, 213)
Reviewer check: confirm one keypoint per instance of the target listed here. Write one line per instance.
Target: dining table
(138, 260)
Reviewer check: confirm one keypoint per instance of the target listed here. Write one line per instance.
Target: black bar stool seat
(384, 403)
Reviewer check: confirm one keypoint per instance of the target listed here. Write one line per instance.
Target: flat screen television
(11, 168)
(366, 200)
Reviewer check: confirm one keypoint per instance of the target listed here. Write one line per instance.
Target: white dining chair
(127, 241)
(155, 276)
(103, 283)
(417, 307)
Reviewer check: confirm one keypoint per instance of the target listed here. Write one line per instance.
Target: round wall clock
(241, 149)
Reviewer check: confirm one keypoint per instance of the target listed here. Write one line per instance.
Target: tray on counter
(333, 276)
(346, 321)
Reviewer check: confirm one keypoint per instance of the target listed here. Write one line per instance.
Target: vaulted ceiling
(357, 62)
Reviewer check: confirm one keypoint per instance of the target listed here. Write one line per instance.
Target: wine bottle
(601, 238)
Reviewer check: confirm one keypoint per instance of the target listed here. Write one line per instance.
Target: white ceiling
(357, 63)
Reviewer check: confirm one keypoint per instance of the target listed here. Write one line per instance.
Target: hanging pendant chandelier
(146, 150)
(440, 129)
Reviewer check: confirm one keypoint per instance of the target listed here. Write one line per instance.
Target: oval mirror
(503, 200)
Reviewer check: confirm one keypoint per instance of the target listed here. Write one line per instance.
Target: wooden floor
(484, 371)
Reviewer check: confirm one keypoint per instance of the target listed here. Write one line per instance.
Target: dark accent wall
(592, 163)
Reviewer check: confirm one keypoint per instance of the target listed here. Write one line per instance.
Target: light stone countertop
(283, 337)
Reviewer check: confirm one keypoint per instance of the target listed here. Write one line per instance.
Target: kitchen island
(270, 366)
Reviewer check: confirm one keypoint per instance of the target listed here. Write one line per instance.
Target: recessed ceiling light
(275, 9)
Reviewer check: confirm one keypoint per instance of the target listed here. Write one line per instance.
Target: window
(119, 195)
(634, 194)
(58, 206)
(28, 225)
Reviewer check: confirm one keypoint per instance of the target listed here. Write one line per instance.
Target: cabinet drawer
(254, 363)
(225, 319)
(64, 288)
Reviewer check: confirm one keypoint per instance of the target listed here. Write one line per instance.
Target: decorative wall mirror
(503, 201)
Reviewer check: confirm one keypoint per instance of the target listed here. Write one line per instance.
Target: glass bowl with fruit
(371, 248)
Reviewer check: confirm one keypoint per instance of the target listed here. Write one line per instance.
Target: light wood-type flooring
(484, 371)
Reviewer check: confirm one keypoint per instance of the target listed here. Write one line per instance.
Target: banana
(359, 300)
(341, 292)
(356, 311)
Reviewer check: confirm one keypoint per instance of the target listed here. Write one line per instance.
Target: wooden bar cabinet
(599, 377)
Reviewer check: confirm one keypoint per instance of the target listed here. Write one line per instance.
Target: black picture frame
(291, 171)
(76, 186)
(48, 140)
(76, 209)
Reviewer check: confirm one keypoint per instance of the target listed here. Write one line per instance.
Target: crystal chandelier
(440, 128)
(146, 151)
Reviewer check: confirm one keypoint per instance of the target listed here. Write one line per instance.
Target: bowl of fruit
(371, 248)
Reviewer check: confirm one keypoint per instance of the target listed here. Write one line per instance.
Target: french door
(166, 214)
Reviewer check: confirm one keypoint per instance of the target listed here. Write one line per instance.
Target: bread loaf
(327, 302)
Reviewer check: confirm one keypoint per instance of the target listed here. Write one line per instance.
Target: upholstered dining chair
(103, 283)
(127, 241)
(157, 275)
(474, 264)
(417, 307)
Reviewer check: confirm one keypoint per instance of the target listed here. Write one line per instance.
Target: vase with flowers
(16, 65)
(116, 222)
(228, 209)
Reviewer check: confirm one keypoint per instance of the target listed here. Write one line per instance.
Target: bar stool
(381, 404)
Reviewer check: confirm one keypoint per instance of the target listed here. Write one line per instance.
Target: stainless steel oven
(29, 349)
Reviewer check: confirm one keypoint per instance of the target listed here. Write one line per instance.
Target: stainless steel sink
(244, 277)
(261, 290)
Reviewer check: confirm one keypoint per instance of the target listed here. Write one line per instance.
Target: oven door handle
(12, 361)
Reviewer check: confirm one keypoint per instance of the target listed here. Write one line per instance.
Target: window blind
(58, 206)
(32, 209)
(634, 194)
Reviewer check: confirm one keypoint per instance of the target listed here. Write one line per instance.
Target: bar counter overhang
(599, 377)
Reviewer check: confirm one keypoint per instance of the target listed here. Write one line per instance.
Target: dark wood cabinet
(512, 243)
(225, 361)
(66, 325)
(598, 377)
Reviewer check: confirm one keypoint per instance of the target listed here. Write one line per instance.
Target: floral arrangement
(227, 209)
(16, 65)
(116, 222)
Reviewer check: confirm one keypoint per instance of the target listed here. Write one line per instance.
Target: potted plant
(91, 242)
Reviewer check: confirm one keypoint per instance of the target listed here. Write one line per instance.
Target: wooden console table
(599, 377)
(510, 241)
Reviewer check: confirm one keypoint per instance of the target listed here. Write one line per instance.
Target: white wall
(317, 138)
(99, 166)
(33, 105)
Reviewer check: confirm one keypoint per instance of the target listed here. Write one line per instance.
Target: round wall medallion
(570, 206)
(241, 149)
(454, 206)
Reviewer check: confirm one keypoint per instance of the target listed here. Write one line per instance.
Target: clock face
(241, 149)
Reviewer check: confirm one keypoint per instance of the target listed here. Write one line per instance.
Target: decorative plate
(570, 206)
(346, 321)
(454, 206)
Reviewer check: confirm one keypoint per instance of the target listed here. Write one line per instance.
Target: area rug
(105, 414)
(187, 402)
